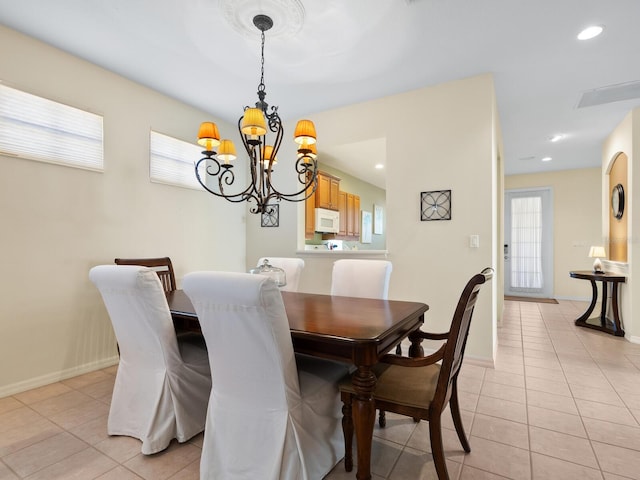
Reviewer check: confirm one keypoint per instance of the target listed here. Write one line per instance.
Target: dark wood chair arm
(414, 361)
(432, 336)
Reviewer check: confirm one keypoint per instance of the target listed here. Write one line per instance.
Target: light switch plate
(474, 241)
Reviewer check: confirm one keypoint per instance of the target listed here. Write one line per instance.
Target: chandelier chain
(261, 86)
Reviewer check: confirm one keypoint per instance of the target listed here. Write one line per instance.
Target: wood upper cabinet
(328, 195)
(327, 192)
(356, 214)
(310, 216)
(342, 208)
(353, 215)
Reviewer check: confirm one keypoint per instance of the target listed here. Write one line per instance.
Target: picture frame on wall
(377, 219)
(366, 227)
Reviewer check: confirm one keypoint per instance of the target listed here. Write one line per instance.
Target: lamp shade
(253, 122)
(208, 135)
(308, 150)
(267, 154)
(227, 151)
(305, 132)
(597, 252)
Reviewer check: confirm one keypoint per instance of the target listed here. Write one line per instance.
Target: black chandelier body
(253, 126)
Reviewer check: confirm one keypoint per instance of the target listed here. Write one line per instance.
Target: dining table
(358, 331)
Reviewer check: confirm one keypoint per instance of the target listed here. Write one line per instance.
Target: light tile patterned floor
(562, 403)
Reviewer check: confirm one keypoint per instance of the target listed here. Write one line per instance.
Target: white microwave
(327, 221)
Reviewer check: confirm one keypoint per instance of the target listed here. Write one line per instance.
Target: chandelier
(254, 126)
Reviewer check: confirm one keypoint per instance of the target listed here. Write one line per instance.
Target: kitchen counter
(322, 251)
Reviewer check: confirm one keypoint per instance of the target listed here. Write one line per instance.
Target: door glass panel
(526, 243)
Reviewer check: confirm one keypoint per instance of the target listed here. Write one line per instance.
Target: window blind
(36, 128)
(172, 161)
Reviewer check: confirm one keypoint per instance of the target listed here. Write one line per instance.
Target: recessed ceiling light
(590, 32)
(546, 159)
(379, 166)
(557, 137)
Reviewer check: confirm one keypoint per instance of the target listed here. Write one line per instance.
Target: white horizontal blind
(40, 129)
(172, 161)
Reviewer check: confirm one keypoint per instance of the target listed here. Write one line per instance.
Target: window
(172, 161)
(36, 128)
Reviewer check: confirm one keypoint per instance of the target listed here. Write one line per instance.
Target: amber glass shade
(305, 132)
(253, 122)
(227, 151)
(208, 135)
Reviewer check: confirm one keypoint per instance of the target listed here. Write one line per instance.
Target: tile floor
(562, 403)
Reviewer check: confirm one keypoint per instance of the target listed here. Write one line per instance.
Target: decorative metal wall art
(271, 216)
(435, 205)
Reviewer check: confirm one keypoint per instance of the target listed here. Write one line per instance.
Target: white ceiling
(325, 54)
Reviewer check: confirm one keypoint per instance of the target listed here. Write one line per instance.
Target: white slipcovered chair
(292, 269)
(271, 415)
(361, 278)
(162, 386)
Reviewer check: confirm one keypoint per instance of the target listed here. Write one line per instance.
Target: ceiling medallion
(287, 15)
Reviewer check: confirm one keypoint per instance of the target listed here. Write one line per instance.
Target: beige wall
(625, 138)
(576, 223)
(454, 147)
(58, 221)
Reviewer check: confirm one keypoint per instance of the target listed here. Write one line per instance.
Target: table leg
(614, 309)
(603, 310)
(594, 298)
(364, 416)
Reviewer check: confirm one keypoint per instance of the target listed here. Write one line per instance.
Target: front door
(528, 243)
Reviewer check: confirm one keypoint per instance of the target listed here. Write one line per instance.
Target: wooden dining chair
(162, 266)
(421, 388)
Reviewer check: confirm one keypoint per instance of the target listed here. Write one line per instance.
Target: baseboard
(36, 382)
(479, 361)
(633, 339)
(470, 359)
(574, 299)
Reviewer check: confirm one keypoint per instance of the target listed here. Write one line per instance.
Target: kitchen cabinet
(327, 191)
(328, 195)
(310, 216)
(356, 214)
(353, 215)
(342, 208)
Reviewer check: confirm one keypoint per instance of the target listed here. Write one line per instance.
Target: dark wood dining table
(354, 330)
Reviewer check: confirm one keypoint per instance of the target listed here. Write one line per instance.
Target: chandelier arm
(303, 172)
(274, 121)
(234, 198)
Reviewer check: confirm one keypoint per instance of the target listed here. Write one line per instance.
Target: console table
(602, 322)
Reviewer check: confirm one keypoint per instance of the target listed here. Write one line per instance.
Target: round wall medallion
(617, 201)
(287, 16)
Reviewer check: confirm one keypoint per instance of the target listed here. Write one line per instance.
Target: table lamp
(597, 253)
